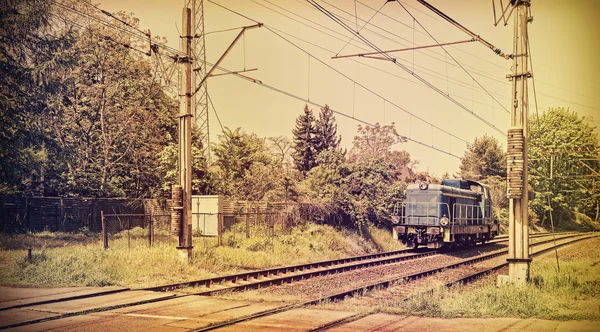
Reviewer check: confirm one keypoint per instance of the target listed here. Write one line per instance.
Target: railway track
(258, 279)
(395, 281)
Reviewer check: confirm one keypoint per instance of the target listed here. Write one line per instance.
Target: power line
(457, 82)
(431, 53)
(289, 94)
(458, 63)
(424, 69)
(340, 73)
(142, 37)
(433, 87)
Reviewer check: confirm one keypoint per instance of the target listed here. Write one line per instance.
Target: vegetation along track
(288, 274)
(400, 282)
(366, 261)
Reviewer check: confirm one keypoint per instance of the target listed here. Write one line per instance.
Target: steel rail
(470, 278)
(477, 275)
(270, 280)
(244, 276)
(362, 290)
(334, 297)
(268, 273)
(307, 271)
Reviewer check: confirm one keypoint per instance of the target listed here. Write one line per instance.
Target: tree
(372, 142)
(482, 159)
(28, 53)
(563, 153)
(304, 147)
(104, 112)
(244, 167)
(326, 137)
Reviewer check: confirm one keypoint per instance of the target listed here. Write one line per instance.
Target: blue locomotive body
(456, 212)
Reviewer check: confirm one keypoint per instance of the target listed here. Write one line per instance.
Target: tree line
(85, 116)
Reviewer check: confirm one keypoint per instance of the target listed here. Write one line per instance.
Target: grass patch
(132, 263)
(44, 239)
(572, 294)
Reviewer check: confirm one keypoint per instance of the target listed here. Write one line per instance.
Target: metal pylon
(200, 100)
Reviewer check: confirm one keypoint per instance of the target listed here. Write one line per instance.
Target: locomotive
(454, 213)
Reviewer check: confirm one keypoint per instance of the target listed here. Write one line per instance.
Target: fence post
(220, 228)
(247, 221)
(128, 237)
(104, 235)
(150, 230)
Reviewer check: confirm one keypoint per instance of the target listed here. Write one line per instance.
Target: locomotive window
(422, 205)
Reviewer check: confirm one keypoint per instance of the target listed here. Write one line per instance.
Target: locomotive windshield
(422, 204)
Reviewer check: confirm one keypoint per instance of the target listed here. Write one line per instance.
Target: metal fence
(242, 225)
(127, 231)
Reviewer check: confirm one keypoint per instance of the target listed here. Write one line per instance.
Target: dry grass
(83, 262)
(572, 294)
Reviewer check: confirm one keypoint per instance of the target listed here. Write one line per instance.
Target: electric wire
(433, 87)
(292, 95)
(343, 75)
(431, 54)
(452, 57)
(424, 69)
(102, 36)
(108, 24)
(358, 31)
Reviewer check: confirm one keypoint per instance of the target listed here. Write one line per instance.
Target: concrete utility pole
(185, 138)
(518, 224)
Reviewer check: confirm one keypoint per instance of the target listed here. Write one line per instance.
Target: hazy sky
(563, 36)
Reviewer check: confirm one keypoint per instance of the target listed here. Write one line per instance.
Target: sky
(294, 56)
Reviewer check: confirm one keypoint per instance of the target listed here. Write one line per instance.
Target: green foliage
(85, 263)
(83, 111)
(304, 141)
(245, 169)
(563, 149)
(372, 142)
(366, 186)
(326, 137)
(28, 53)
(483, 158)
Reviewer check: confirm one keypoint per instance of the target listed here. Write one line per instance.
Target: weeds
(129, 261)
(570, 294)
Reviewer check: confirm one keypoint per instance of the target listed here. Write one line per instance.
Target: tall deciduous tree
(483, 158)
(304, 141)
(29, 51)
(104, 118)
(243, 165)
(563, 157)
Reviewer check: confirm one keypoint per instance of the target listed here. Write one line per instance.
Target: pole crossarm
(234, 72)
(465, 30)
(403, 49)
(259, 25)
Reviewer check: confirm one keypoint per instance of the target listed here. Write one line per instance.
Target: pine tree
(326, 137)
(304, 138)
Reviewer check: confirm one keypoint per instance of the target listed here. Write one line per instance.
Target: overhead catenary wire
(433, 87)
(431, 54)
(340, 73)
(452, 57)
(141, 36)
(424, 69)
(295, 96)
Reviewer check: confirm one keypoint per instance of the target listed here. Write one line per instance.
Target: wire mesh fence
(127, 231)
(242, 225)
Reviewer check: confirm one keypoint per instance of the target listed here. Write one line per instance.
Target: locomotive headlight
(444, 221)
